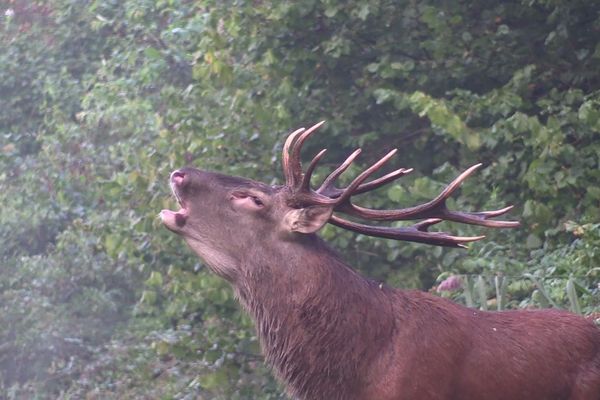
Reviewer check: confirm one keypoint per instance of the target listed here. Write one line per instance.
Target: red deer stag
(331, 334)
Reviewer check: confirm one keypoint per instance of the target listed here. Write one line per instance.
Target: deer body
(331, 334)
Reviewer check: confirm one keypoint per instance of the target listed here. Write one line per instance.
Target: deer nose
(177, 177)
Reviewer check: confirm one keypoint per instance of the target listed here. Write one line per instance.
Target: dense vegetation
(102, 99)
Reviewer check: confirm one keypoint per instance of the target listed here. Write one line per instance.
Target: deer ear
(308, 219)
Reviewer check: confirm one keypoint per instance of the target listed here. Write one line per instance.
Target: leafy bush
(104, 99)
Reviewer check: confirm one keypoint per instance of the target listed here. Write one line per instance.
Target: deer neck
(314, 314)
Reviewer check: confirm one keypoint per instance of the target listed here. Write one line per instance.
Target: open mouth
(175, 219)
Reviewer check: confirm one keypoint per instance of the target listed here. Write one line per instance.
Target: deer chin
(174, 220)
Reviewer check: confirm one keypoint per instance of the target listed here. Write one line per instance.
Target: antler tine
(356, 186)
(327, 188)
(285, 157)
(491, 214)
(376, 183)
(295, 164)
(415, 233)
(349, 191)
(305, 185)
(480, 218)
(455, 184)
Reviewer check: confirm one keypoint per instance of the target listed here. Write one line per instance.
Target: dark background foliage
(102, 99)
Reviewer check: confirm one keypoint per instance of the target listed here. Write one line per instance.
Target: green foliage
(101, 100)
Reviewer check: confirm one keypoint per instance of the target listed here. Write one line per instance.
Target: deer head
(223, 218)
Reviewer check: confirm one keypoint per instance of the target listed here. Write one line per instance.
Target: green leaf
(383, 95)
(112, 245)
(148, 297)
(363, 11)
(215, 379)
(155, 279)
(153, 53)
(572, 294)
(331, 11)
(533, 241)
(396, 193)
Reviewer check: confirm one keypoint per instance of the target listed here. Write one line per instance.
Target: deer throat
(306, 325)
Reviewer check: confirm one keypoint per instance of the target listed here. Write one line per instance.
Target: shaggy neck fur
(309, 310)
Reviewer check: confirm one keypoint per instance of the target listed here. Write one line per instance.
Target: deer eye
(244, 195)
(257, 201)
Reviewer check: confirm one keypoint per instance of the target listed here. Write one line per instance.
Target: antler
(432, 212)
